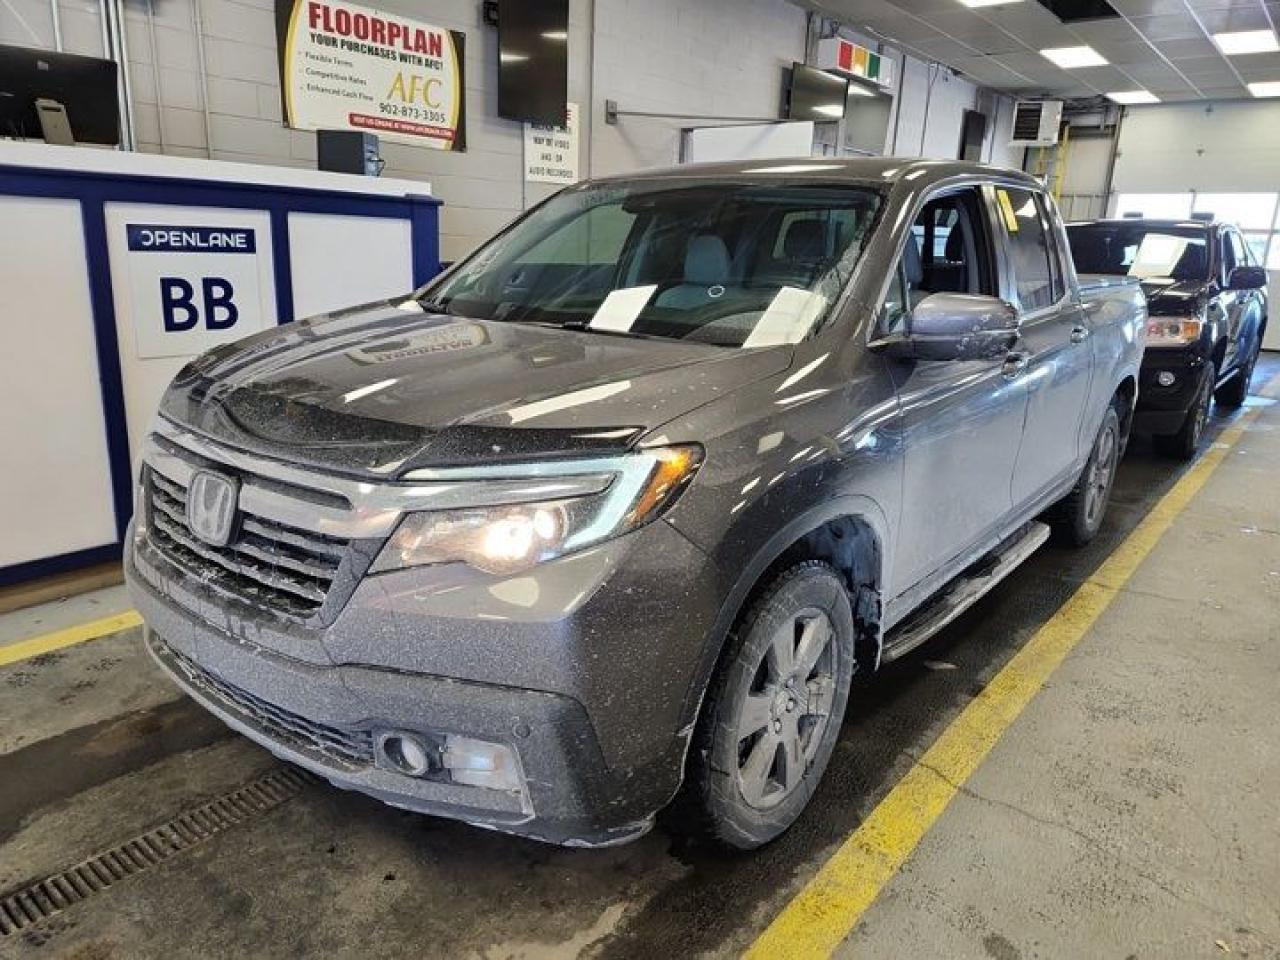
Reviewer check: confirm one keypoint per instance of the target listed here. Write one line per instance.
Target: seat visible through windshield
(732, 264)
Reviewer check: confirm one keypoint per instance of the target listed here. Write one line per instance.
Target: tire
(1081, 512)
(1184, 444)
(764, 736)
(1233, 393)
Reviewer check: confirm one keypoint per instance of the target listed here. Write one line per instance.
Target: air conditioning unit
(1036, 123)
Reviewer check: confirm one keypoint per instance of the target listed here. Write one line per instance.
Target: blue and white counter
(116, 268)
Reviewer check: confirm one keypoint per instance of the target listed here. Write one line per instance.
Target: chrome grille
(344, 748)
(266, 563)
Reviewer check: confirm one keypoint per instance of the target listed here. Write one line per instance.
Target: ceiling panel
(1251, 18)
(1187, 49)
(1105, 78)
(1161, 45)
(946, 50)
(1123, 54)
(1168, 26)
(1259, 66)
(1094, 32)
(1224, 93)
(1209, 69)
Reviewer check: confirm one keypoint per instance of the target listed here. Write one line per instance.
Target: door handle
(1079, 334)
(1014, 365)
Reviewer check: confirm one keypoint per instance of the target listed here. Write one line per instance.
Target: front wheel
(1084, 507)
(1235, 391)
(772, 713)
(1184, 444)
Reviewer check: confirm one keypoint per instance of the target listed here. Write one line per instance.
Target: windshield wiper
(436, 306)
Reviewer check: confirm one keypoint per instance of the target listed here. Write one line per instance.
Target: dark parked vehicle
(611, 513)
(1206, 294)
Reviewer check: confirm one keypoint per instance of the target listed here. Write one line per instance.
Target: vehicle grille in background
(50, 896)
(350, 749)
(284, 568)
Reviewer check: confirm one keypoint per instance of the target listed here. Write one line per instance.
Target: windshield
(740, 265)
(1136, 250)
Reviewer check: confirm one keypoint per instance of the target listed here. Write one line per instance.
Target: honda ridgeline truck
(606, 518)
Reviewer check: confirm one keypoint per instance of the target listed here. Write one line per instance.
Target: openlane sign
(347, 67)
(193, 287)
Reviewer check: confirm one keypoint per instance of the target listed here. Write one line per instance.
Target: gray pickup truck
(605, 519)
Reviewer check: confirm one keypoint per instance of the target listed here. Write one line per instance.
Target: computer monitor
(816, 95)
(86, 86)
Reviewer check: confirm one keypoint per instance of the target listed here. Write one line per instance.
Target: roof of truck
(1158, 223)
(826, 169)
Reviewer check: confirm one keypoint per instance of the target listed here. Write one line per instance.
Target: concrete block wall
(720, 58)
(714, 57)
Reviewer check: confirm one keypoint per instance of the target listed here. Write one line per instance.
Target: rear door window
(1030, 252)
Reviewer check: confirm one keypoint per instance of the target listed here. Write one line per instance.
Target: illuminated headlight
(506, 539)
(1173, 331)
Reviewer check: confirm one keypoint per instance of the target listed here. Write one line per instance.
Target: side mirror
(1247, 277)
(956, 326)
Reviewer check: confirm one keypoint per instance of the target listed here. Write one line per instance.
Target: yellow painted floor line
(45, 643)
(829, 906)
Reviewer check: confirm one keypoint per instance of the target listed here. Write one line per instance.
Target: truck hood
(386, 388)
(1167, 297)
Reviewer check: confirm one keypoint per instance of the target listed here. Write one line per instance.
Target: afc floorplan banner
(347, 67)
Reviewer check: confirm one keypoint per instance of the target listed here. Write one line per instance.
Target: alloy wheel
(1201, 412)
(1101, 473)
(787, 709)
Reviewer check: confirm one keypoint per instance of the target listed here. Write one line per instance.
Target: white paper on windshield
(1157, 255)
(621, 308)
(787, 319)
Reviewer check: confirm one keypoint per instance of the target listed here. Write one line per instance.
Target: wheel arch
(850, 533)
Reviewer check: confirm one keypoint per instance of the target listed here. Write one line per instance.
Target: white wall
(1222, 147)
(724, 58)
(714, 57)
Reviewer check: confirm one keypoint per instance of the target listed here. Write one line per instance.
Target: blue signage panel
(162, 238)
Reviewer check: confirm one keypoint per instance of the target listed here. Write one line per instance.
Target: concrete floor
(1129, 812)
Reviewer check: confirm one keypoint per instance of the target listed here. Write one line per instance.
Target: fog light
(406, 753)
(477, 763)
(1166, 379)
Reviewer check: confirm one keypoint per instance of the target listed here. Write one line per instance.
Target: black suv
(1206, 295)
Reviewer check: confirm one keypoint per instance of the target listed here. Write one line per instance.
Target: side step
(964, 591)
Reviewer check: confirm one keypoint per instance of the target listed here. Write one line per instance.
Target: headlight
(1173, 331)
(506, 539)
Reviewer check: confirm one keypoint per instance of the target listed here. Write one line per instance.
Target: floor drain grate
(56, 893)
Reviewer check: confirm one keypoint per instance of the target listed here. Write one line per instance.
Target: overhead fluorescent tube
(1130, 97)
(1269, 88)
(1072, 58)
(986, 3)
(1246, 41)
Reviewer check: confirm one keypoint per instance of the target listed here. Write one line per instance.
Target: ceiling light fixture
(1130, 97)
(1073, 58)
(1269, 88)
(1246, 41)
(986, 3)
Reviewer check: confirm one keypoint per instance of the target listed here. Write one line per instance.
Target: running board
(964, 591)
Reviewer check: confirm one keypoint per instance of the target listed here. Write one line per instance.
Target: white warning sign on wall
(551, 153)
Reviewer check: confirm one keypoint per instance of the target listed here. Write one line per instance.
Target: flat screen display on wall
(533, 60)
(86, 86)
(816, 95)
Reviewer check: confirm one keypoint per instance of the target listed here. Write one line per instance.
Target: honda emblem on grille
(211, 507)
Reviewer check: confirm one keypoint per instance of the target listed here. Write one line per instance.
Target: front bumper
(598, 731)
(1162, 409)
